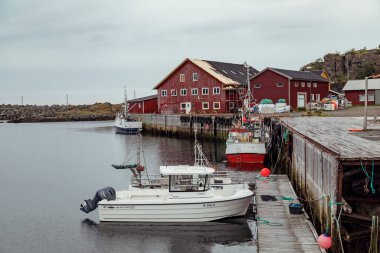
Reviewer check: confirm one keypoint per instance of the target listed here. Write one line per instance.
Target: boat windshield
(185, 183)
(236, 137)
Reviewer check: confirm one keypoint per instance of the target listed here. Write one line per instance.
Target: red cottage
(200, 86)
(297, 87)
(143, 105)
(354, 91)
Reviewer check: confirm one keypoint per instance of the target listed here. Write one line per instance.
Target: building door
(188, 107)
(301, 99)
(377, 97)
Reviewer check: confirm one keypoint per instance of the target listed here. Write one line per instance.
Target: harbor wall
(209, 127)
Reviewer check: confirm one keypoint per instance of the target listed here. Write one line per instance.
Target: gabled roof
(143, 98)
(297, 75)
(226, 73)
(373, 84)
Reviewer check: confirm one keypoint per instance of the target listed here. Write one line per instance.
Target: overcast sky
(91, 49)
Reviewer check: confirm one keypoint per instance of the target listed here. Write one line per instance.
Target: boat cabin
(187, 178)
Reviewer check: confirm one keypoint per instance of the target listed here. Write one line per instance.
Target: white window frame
(203, 91)
(257, 85)
(231, 103)
(309, 85)
(181, 78)
(280, 85)
(241, 91)
(361, 97)
(203, 106)
(164, 93)
(183, 92)
(216, 90)
(214, 107)
(194, 93)
(315, 85)
(372, 97)
(302, 84)
(312, 97)
(183, 106)
(173, 92)
(195, 77)
(296, 84)
(318, 97)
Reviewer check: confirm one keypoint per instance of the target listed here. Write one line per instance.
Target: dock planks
(295, 233)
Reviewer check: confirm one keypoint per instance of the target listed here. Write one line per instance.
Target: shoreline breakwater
(58, 113)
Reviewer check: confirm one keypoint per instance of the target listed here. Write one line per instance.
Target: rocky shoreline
(57, 113)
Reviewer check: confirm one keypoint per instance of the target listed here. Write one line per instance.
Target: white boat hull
(175, 210)
(127, 127)
(246, 148)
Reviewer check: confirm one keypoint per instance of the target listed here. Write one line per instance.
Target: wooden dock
(278, 229)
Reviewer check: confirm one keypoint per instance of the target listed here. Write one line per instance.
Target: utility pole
(67, 100)
(365, 104)
(134, 94)
(22, 100)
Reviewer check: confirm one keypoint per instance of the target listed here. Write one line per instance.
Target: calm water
(47, 169)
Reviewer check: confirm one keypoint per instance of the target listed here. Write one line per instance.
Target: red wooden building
(200, 86)
(143, 105)
(354, 91)
(297, 87)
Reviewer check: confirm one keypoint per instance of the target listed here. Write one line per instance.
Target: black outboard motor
(91, 204)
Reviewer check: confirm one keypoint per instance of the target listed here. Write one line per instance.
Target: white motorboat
(181, 193)
(124, 123)
(185, 196)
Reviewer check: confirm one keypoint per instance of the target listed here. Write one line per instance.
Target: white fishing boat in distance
(185, 195)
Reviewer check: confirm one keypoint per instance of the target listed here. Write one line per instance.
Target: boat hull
(250, 153)
(127, 127)
(120, 130)
(172, 212)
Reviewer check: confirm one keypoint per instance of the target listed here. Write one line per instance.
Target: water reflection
(167, 237)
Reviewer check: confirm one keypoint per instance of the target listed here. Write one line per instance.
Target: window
(173, 93)
(232, 105)
(257, 85)
(315, 85)
(361, 97)
(311, 97)
(308, 85)
(183, 92)
(216, 105)
(233, 72)
(302, 84)
(279, 84)
(194, 91)
(318, 97)
(139, 105)
(204, 105)
(183, 106)
(216, 90)
(204, 91)
(164, 93)
(241, 91)
(371, 97)
(182, 78)
(195, 77)
(296, 84)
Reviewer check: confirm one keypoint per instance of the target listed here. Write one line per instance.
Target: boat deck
(278, 229)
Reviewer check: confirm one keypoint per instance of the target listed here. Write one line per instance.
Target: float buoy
(325, 241)
(265, 172)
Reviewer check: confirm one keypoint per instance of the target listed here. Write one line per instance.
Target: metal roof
(373, 84)
(143, 98)
(185, 170)
(303, 75)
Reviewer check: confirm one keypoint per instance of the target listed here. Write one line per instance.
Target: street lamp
(309, 68)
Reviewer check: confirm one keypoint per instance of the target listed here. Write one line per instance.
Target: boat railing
(153, 181)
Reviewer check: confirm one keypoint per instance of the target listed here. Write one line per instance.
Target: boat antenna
(125, 102)
(199, 157)
(249, 94)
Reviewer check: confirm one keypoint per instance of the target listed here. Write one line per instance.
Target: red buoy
(324, 241)
(265, 172)
(244, 119)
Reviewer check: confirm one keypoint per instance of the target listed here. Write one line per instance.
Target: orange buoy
(265, 172)
(324, 241)
(355, 129)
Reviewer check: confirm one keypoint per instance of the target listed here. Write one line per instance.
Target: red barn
(354, 91)
(143, 105)
(297, 87)
(200, 86)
